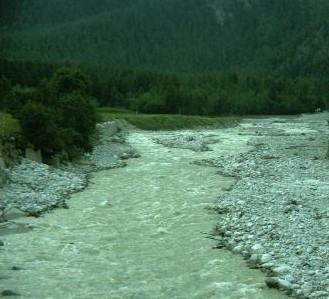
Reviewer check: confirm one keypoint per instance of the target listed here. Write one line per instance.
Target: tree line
(144, 91)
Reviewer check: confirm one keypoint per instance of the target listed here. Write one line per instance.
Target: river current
(137, 232)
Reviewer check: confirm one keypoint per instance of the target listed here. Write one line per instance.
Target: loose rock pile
(191, 141)
(277, 214)
(35, 188)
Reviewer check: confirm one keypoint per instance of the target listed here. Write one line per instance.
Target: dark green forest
(280, 37)
(192, 57)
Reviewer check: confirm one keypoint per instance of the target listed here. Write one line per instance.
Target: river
(137, 232)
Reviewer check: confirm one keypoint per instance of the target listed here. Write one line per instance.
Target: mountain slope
(251, 36)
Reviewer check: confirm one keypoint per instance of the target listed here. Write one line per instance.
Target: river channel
(137, 232)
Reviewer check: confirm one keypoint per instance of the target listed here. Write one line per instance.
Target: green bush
(78, 115)
(62, 117)
(39, 127)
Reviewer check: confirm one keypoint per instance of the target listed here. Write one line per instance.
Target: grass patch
(8, 125)
(156, 122)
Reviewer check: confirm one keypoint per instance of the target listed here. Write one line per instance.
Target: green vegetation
(190, 57)
(169, 122)
(209, 94)
(8, 125)
(55, 116)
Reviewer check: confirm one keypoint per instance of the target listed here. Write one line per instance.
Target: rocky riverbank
(34, 188)
(277, 214)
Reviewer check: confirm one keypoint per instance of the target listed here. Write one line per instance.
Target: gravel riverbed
(34, 188)
(275, 215)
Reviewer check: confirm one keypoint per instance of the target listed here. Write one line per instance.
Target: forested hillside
(285, 37)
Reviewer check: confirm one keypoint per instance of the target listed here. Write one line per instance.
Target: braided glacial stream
(138, 232)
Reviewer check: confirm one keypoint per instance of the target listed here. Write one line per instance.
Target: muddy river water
(137, 232)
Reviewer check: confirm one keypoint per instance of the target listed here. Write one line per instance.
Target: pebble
(272, 282)
(6, 293)
(282, 269)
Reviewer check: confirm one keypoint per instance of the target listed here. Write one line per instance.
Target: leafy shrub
(39, 127)
(62, 117)
(78, 114)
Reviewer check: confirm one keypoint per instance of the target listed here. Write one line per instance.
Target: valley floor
(265, 182)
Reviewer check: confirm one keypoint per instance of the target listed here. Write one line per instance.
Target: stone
(282, 269)
(124, 156)
(6, 293)
(272, 282)
(289, 278)
(238, 249)
(320, 294)
(257, 248)
(265, 258)
(284, 284)
(255, 258)
(268, 266)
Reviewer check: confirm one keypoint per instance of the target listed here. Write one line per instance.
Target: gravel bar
(34, 188)
(277, 213)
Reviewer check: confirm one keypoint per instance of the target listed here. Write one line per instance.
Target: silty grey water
(137, 232)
